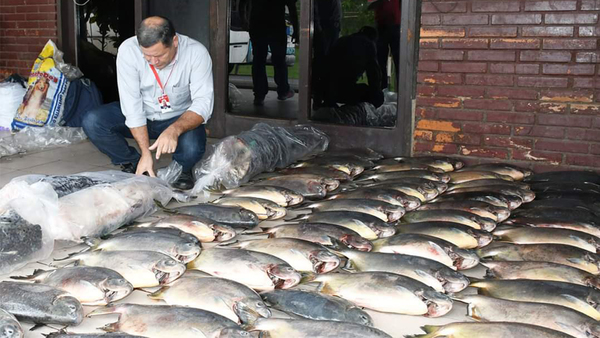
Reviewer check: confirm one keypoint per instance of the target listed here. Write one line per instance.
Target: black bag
(83, 96)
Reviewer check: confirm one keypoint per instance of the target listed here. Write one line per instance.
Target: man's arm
(146, 164)
(166, 143)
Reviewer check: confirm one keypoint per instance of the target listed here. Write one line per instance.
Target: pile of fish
(306, 251)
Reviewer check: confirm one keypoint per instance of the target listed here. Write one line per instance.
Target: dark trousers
(388, 39)
(260, 49)
(105, 126)
(324, 39)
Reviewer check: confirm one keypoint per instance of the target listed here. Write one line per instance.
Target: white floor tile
(62, 168)
(18, 162)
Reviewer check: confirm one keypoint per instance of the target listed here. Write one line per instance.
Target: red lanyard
(158, 78)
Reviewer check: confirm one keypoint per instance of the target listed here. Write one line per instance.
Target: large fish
(460, 235)
(140, 268)
(488, 330)
(443, 162)
(548, 187)
(351, 165)
(553, 253)
(233, 216)
(530, 235)
(303, 256)
(574, 215)
(369, 227)
(225, 297)
(566, 176)
(526, 195)
(540, 271)
(296, 328)
(316, 306)
(434, 274)
(264, 209)
(400, 175)
(481, 209)
(586, 197)
(422, 192)
(386, 168)
(256, 270)
(455, 216)
(429, 247)
(90, 285)
(40, 304)
(282, 196)
(390, 196)
(553, 222)
(382, 210)
(472, 175)
(494, 198)
(480, 183)
(160, 321)
(516, 173)
(204, 229)
(579, 298)
(64, 334)
(386, 292)
(303, 184)
(550, 316)
(439, 186)
(329, 235)
(9, 326)
(330, 173)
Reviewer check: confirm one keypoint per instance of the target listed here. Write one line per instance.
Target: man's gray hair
(149, 34)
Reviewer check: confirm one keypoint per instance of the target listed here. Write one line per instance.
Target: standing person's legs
(259, 72)
(105, 127)
(395, 47)
(383, 52)
(278, 45)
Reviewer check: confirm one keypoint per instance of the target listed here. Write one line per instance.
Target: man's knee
(91, 120)
(193, 143)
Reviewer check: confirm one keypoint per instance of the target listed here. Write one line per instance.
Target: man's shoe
(259, 102)
(289, 95)
(184, 182)
(129, 168)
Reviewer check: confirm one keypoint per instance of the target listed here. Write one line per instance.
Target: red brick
(565, 120)
(27, 24)
(484, 55)
(28, 9)
(532, 155)
(49, 24)
(428, 66)
(540, 6)
(553, 82)
(508, 142)
(588, 57)
(429, 43)
(459, 115)
(465, 43)
(586, 82)
(490, 80)
(595, 148)
(14, 48)
(584, 134)
(493, 32)
(438, 125)
(495, 6)
(589, 31)
(512, 93)
(528, 69)
(486, 152)
(425, 90)
(590, 5)
(583, 160)
(446, 148)
(461, 91)
(585, 109)
(40, 16)
(430, 20)
(515, 118)
(425, 112)
(516, 19)
(13, 17)
(502, 68)
(468, 139)
(450, 55)
(541, 131)
(539, 56)
(444, 32)
(548, 31)
(460, 20)
(488, 104)
(570, 19)
(10, 24)
(515, 44)
(464, 67)
(423, 135)
(570, 44)
(598, 98)
(444, 102)
(567, 95)
(423, 147)
(439, 78)
(444, 7)
(560, 69)
(562, 146)
(486, 128)
(47, 8)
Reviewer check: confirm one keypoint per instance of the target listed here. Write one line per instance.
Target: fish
(90, 285)
(159, 321)
(40, 304)
(577, 297)
(442, 162)
(455, 216)
(563, 203)
(515, 172)
(434, 274)
(367, 226)
(489, 182)
(460, 235)
(551, 222)
(526, 195)
(540, 271)
(328, 235)
(20, 243)
(9, 326)
(577, 215)
(64, 185)
(64, 334)
(264, 209)
(282, 196)
(481, 209)
(398, 175)
(429, 247)
(581, 176)
(553, 253)
(386, 292)
(494, 198)
(554, 317)
(472, 175)
(302, 184)
(351, 165)
(422, 192)
(382, 210)
(488, 330)
(303, 256)
(386, 168)
(329, 173)
(586, 197)
(182, 249)
(235, 217)
(140, 268)
(316, 306)
(287, 328)
(225, 297)
(531, 235)
(439, 186)
(256, 270)
(204, 229)
(546, 187)
(390, 196)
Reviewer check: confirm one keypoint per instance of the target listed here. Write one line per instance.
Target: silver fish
(555, 223)
(526, 195)
(263, 208)
(390, 196)
(488, 182)
(529, 235)
(439, 186)
(233, 216)
(369, 227)
(488, 330)
(386, 168)
(455, 216)
(458, 234)
(382, 210)
(287, 328)
(282, 196)
(304, 184)
(472, 175)
(494, 198)
(482, 209)
(398, 175)
(516, 173)
(204, 229)
(9, 326)
(329, 235)
(422, 192)
(64, 334)
(351, 165)
(441, 162)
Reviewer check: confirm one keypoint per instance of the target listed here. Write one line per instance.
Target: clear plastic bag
(362, 114)
(235, 96)
(32, 139)
(236, 159)
(170, 173)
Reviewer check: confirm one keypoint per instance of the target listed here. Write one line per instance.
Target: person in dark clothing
(268, 30)
(387, 17)
(349, 59)
(327, 23)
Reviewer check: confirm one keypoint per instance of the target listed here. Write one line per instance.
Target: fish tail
(36, 273)
(157, 295)
(112, 327)
(308, 277)
(163, 208)
(92, 242)
(71, 256)
(107, 310)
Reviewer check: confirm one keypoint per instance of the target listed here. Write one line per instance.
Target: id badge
(165, 104)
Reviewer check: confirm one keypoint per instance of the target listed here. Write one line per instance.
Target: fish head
(323, 261)
(355, 170)
(222, 232)
(437, 303)
(167, 270)
(283, 277)
(514, 201)
(67, 307)
(463, 259)
(394, 214)
(234, 332)
(357, 242)
(250, 310)
(358, 316)
(452, 281)
(593, 299)
(115, 289)
(293, 198)
(502, 214)
(593, 281)
(384, 231)
(443, 177)
(248, 216)
(410, 203)
(277, 213)
(317, 188)
(186, 252)
(441, 187)
(483, 238)
(485, 223)
(590, 329)
(331, 184)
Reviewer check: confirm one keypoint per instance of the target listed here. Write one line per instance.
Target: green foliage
(355, 15)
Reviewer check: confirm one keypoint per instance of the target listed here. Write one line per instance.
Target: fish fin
(69, 257)
(36, 273)
(308, 277)
(156, 295)
(108, 309)
(37, 326)
(422, 273)
(162, 207)
(325, 288)
(430, 328)
(297, 218)
(92, 242)
(112, 327)
(262, 231)
(232, 244)
(575, 260)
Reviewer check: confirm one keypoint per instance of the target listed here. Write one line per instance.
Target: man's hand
(166, 143)
(146, 164)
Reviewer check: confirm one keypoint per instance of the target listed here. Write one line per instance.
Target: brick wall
(510, 80)
(25, 27)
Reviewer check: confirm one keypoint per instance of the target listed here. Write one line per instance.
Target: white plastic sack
(34, 139)
(12, 96)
